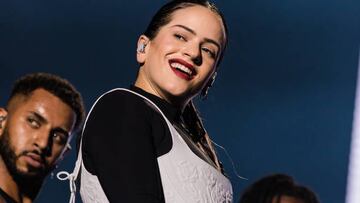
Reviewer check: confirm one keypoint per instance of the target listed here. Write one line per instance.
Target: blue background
(283, 100)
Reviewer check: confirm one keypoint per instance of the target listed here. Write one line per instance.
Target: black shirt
(122, 139)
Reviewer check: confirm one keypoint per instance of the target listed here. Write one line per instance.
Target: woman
(147, 144)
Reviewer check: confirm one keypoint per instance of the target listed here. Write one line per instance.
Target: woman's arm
(119, 149)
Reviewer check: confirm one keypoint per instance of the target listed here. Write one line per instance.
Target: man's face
(35, 133)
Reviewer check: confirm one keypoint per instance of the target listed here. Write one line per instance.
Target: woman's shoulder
(118, 94)
(119, 99)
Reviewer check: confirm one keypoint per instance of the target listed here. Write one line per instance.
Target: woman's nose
(193, 51)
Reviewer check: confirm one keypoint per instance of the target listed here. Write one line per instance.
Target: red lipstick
(182, 68)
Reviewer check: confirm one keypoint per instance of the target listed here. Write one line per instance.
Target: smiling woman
(185, 52)
(147, 143)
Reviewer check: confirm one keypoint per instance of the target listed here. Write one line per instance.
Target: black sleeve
(118, 148)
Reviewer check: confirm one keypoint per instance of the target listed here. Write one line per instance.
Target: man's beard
(7, 153)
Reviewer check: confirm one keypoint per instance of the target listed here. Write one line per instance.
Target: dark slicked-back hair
(57, 86)
(275, 186)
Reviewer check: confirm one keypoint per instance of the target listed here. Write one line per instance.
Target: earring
(210, 83)
(141, 48)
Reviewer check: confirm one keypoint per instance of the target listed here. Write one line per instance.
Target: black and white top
(132, 153)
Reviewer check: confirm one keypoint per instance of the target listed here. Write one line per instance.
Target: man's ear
(142, 48)
(3, 118)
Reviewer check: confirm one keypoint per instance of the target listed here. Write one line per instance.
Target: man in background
(42, 114)
(278, 188)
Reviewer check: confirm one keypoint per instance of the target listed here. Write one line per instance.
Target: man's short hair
(275, 186)
(56, 85)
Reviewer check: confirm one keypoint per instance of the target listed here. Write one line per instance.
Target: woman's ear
(141, 50)
(3, 116)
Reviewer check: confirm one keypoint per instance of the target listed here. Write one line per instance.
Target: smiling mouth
(182, 69)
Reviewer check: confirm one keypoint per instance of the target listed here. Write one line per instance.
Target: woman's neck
(151, 89)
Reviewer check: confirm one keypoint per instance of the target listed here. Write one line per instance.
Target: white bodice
(185, 177)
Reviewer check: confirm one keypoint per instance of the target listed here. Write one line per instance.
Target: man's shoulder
(5, 198)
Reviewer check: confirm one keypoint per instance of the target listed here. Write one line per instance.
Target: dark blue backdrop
(283, 100)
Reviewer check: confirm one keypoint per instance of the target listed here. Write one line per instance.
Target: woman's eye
(209, 51)
(180, 37)
(33, 123)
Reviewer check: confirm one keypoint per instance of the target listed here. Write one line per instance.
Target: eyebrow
(194, 33)
(43, 120)
(39, 117)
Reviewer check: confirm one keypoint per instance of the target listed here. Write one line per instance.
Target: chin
(29, 172)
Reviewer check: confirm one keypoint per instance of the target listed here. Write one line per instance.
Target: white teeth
(181, 67)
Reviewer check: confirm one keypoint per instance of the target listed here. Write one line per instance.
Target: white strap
(64, 175)
(72, 177)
